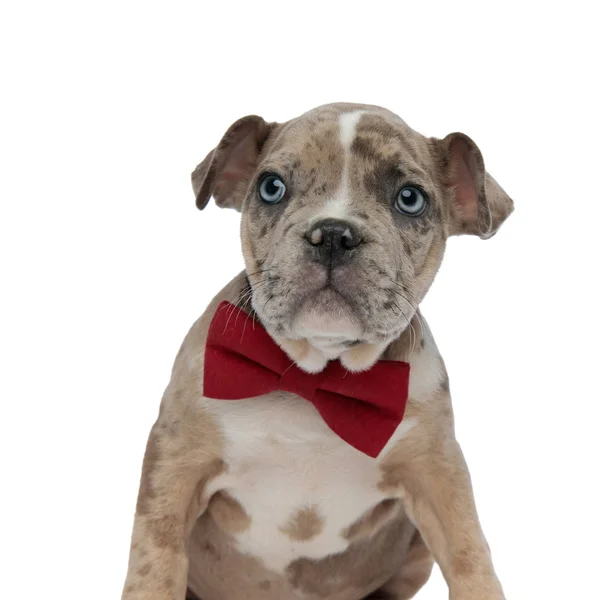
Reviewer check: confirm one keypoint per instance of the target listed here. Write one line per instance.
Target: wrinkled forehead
(332, 138)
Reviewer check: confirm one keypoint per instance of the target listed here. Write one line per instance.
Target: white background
(106, 107)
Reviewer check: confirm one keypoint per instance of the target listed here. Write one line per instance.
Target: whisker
(412, 333)
(408, 301)
(245, 274)
(244, 296)
(244, 328)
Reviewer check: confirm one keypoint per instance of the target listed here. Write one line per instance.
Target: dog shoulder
(189, 362)
(183, 394)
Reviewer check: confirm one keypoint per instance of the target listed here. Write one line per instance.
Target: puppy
(345, 213)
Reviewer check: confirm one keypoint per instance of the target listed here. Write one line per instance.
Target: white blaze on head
(337, 206)
(348, 122)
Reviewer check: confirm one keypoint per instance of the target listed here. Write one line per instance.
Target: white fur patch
(348, 122)
(362, 357)
(304, 354)
(283, 457)
(426, 368)
(337, 206)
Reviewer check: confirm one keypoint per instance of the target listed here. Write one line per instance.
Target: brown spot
(147, 492)
(210, 549)
(228, 513)
(304, 524)
(366, 148)
(462, 564)
(321, 190)
(265, 585)
(143, 571)
(445, 383)
(372, 520)
(167, 531)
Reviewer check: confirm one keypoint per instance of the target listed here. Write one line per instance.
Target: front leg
(438, 497)
(169, 502)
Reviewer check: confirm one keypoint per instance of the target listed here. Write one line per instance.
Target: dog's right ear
(225, 172)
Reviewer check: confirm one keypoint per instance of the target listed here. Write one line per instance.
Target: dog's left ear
(479, 204)
(226, 170)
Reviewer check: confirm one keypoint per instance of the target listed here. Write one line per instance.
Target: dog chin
(326, 315)
(320, 331)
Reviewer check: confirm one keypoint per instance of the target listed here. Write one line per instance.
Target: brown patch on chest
(304, 524)
(373, 519)
(361, 569)
(228, 513)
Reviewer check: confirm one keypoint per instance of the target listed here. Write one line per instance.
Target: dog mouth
(336, 307)
(327, 312)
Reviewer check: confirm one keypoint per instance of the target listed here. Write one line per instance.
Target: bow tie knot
(298, 382)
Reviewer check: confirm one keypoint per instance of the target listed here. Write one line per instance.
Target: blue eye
(411, 201)
(271, 189)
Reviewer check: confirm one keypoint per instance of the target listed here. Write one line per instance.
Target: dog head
(345, 215)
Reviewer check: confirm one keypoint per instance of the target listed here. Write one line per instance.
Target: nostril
(349, 239)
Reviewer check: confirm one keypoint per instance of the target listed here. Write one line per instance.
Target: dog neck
(312, 353)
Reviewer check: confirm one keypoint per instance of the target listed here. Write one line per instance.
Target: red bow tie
(243, 361)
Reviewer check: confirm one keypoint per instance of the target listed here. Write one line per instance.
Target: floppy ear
(479, 204)
(228, 167)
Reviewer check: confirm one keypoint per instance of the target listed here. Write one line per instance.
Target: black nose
(332, 240)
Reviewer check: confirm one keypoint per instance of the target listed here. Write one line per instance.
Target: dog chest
(292, 488)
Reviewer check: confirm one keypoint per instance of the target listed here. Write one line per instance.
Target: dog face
(345, 216)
